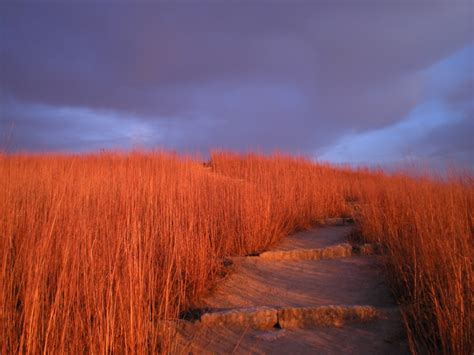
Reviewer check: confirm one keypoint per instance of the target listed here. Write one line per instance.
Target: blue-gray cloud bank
(357, 82)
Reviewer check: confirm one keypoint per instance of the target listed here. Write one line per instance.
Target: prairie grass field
(99, 251)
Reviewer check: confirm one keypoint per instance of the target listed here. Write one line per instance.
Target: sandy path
(313, 294)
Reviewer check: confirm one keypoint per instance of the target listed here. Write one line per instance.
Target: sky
(358, 82)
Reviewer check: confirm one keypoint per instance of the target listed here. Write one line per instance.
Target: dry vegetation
(427, 227)
(97, 251)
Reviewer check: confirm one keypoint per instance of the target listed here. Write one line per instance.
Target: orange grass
(425, 224)
(427, 227)
(98, 251)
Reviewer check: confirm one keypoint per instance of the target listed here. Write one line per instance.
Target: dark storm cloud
(453, 142)
(463, 94)
(294, 76)
(77, 129)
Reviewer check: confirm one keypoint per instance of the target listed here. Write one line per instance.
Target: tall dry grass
(427, 226)
(299, 192)
(425, 223)
(97, 251)
(92, 249)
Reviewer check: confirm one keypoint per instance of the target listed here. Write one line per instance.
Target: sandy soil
(338, 304)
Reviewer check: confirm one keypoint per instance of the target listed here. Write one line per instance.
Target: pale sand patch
(314, 293)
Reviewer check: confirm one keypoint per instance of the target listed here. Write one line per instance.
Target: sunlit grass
(428, 229)
(97, 250)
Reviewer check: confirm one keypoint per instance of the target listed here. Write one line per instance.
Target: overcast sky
(347, 81)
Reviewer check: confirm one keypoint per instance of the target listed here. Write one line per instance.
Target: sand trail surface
(315, 293)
